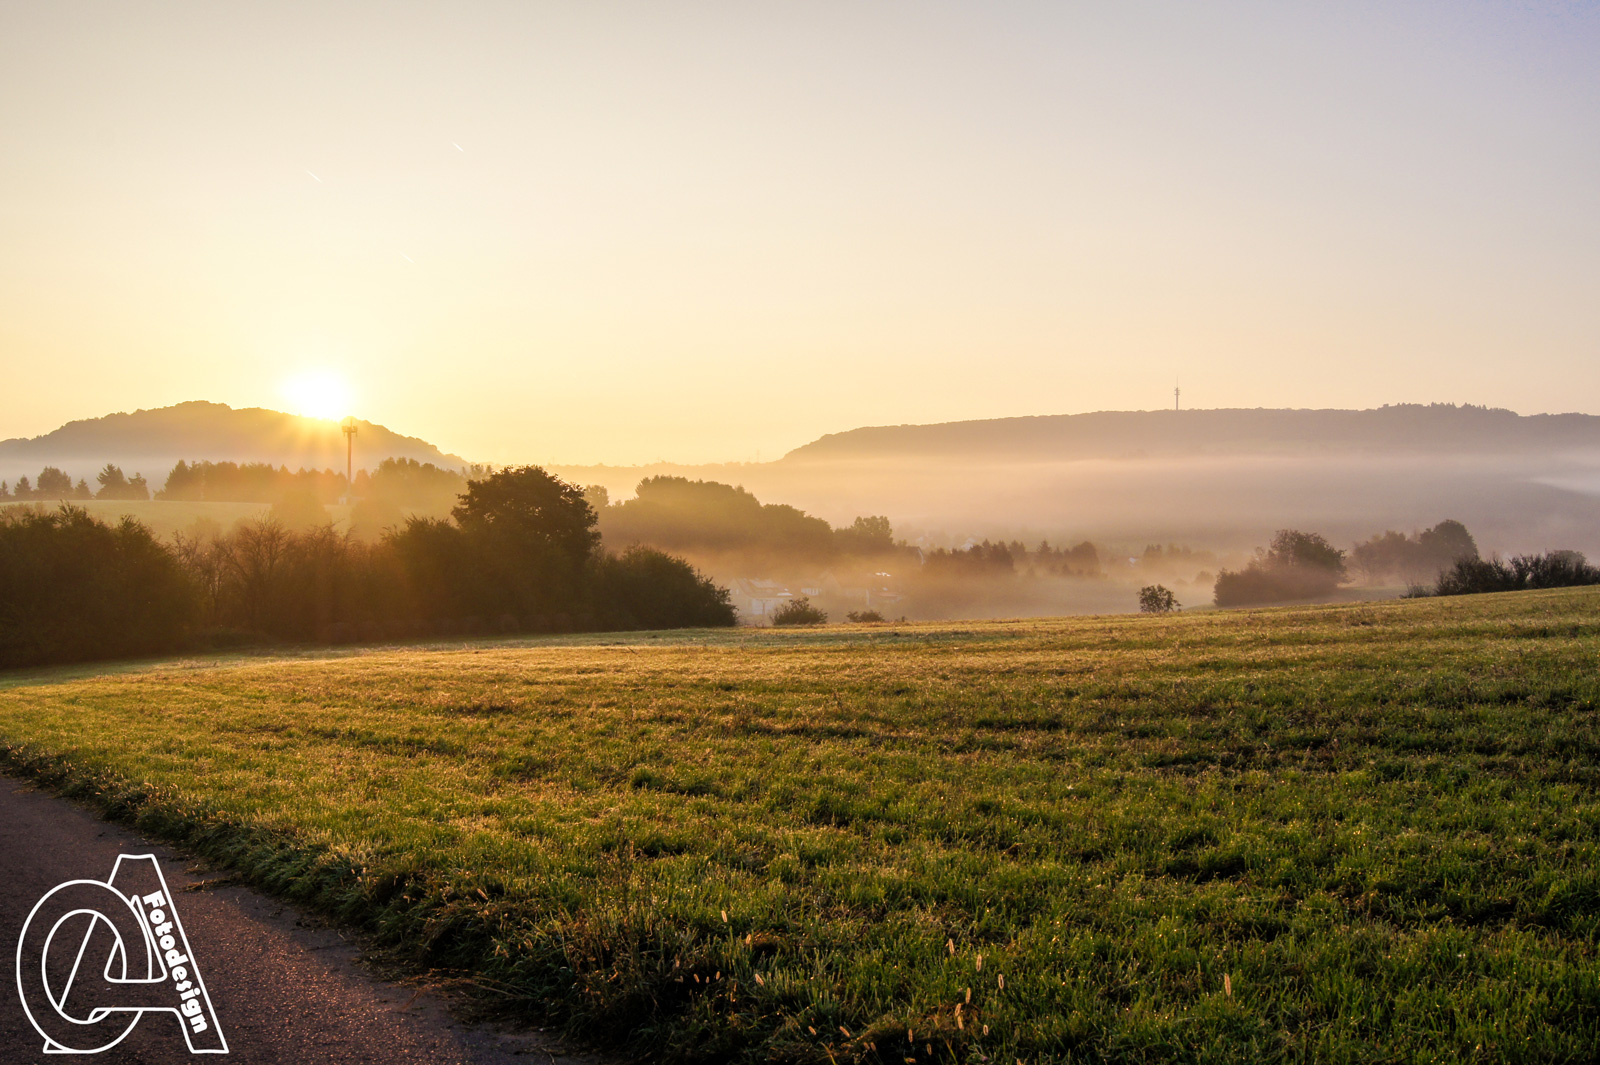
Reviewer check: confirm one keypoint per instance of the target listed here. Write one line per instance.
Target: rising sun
(318, 394)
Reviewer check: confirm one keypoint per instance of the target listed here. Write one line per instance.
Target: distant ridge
(152, 441)
(1404, 429)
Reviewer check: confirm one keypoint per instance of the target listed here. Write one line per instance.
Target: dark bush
(1270, 584)
(73, 588)
(799, 612)
(1157, 599)
(649, 589)
(1553, 569)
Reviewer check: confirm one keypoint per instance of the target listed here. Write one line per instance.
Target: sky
(627, 232)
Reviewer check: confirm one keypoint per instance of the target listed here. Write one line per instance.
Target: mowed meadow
(1355, 833)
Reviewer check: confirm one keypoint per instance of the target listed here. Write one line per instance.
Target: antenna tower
(349, 427)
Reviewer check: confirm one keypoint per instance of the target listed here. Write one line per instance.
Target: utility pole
(349, 427)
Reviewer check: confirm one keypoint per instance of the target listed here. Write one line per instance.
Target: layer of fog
(1217, 511)
(1226, 505)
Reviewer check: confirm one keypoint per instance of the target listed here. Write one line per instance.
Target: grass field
(165, 517)
(1351, 833)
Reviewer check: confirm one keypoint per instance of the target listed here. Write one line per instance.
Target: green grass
(1346, 834)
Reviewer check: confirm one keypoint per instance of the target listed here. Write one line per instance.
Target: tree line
(1443, 560)
(1005, 559)
(401, 482)
(710, 518)
(54, 483)
(1301, 565)
(519, 553)
(1552, 569)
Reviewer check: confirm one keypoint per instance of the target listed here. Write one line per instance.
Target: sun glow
(318, 394)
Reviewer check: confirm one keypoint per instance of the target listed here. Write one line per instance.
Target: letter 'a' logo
(96, 956)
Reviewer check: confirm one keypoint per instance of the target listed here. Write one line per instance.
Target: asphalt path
(284, 987)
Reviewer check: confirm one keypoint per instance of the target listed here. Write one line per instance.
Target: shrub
(73, 589)
(864, 617)
(1157, 599)
(650, 589)
(1296, 566)
(799, 612)
(1553, 569)
(1270, 584)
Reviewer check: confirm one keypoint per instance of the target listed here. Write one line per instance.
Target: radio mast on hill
(1175, 395)
(349, 427)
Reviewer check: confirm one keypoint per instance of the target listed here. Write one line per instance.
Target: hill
(1222, 479)
(1404, 429)
(152, 441)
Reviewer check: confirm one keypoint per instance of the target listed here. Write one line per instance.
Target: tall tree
(112, 483)
(54, 483)
(530, 507)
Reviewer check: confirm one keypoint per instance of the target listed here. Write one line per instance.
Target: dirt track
(284, 989)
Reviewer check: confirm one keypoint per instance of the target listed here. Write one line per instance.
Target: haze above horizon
(701, 232)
